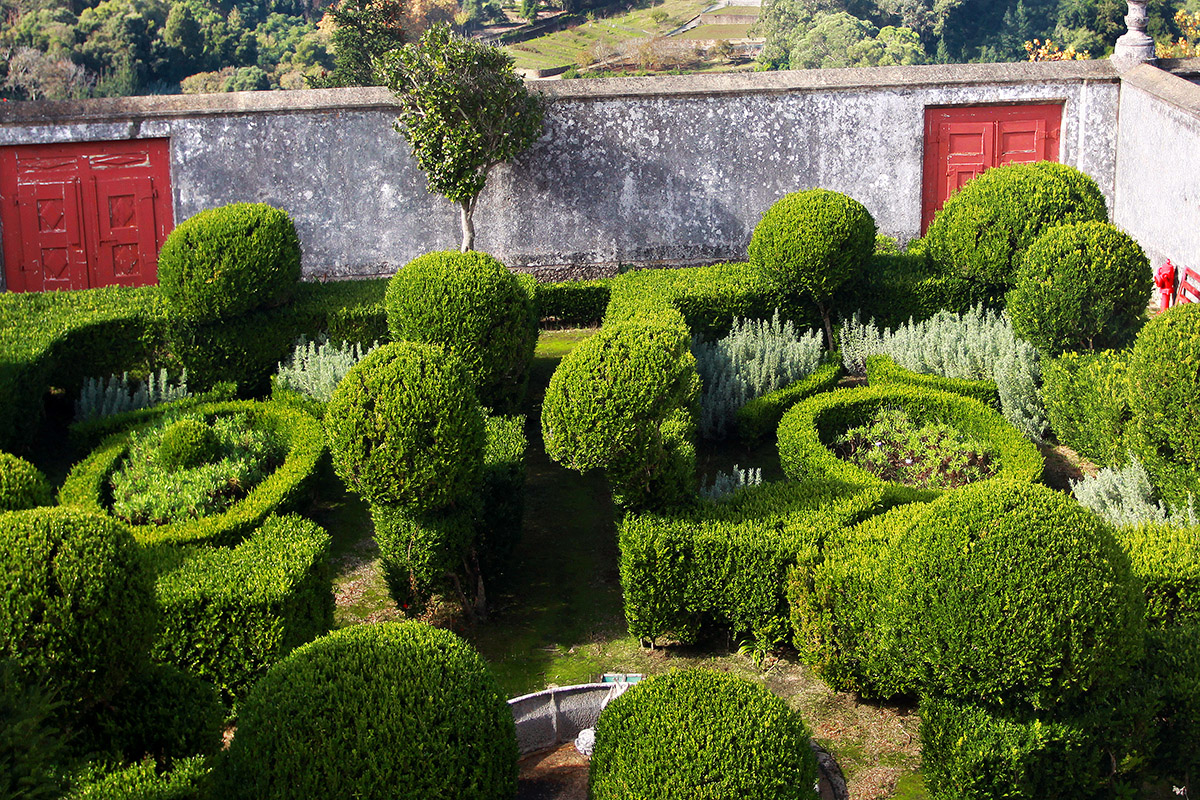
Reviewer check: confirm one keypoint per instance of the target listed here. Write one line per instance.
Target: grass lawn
(717, 32)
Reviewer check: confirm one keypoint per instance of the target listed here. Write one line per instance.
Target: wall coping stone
(1178, 92)
(151, 107)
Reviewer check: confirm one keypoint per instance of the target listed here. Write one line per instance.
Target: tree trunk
(828, 327)
(468, 223)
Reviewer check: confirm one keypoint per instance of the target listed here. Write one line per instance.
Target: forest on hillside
(62, 49)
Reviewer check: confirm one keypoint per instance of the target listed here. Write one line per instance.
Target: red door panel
(84, 214)
(963, 142)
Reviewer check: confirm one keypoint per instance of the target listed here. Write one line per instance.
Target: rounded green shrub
(697, 733)
(77, 608)
(474, 307)
(187, 443)
(1080, 287)
(22, 485)
(983, 228)
(1014, 595)
(226, 261)
(394, 711)
(621, 401)
(1164, 400)
(168, 714)
(405, 428)
(813, 241)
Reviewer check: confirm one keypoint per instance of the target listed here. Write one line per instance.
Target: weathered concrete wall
(669, 170)
(1158, 165)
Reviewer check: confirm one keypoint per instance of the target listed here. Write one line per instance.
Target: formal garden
(268, 538)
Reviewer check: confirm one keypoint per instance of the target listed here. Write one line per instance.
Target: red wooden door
(963, 142)
(84, 214)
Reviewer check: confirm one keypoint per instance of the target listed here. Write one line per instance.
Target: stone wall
(662, 170)
(1158, 165)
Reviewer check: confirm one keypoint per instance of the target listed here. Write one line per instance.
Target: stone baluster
(1135, 46)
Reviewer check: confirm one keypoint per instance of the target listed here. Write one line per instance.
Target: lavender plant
(102, 397)
(1124, 496)
(315, 368)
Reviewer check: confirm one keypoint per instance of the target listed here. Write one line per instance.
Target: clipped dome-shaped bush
(22, 485)
(77, 609)
(405, 428)
(187, 443)
(705, 734)
(1164, 399)
(226, 261)
(391, 711)
(1080, 287)
(1014, 594)
(474, 307)
(983, 227)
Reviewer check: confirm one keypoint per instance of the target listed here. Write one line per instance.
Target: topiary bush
(405, 428)
(502, 491)
(697, 733)
(1087, 403)
(184, 780)
(185, 444)
(474, 307)
(22, 485)
(1014, 595)
(624, 401)
(167, 714)
(1164, 400)
(1080, 287)
(984, 227)
(76, 605)
(394, 711)
(224, 262)
(813, 241)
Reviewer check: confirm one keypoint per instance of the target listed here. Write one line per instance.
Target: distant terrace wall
(1158, 165)
(657, 170)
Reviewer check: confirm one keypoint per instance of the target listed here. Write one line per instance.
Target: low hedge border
(883, 370)
(62, 338)
(727, 562)
(283, 490)
(760, 417)
(229, 614)
(808, 426)
(580, 303)
(708, 298)
(88, 435)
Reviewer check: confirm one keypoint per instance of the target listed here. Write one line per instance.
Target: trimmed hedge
(22, 485)
(1173, 667)
(1166, 561)
(726, 562)
(1080, 287)
(896, 287)
(1087, 401)
(624, 401)
(982, 229)
(224, 262)
(502, 492)
(228, 615)
(760, 417)
(1015, 595)
(708, 299)
(187, 443)
(473, 306)
(167, 714)
(419, 550)
(807, 428)
(1164, 401)
(285, 489)
(835, 597)
(395, 711)
(579, 303)
(971, 752)
(87, 435)
(62, 338)
(405, 428)
(697, 733)
(184, 780)
(76, 606)
(883, 370)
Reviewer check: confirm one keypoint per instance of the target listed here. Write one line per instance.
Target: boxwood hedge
(883, 370)
(726, 562)
(760, 417)
(22, 485)
(1087, 401)
(578, 303)
(705, 734)
(285, 489)
(228, 615)
(808, 427)
(1166, 561)
(395, 711)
